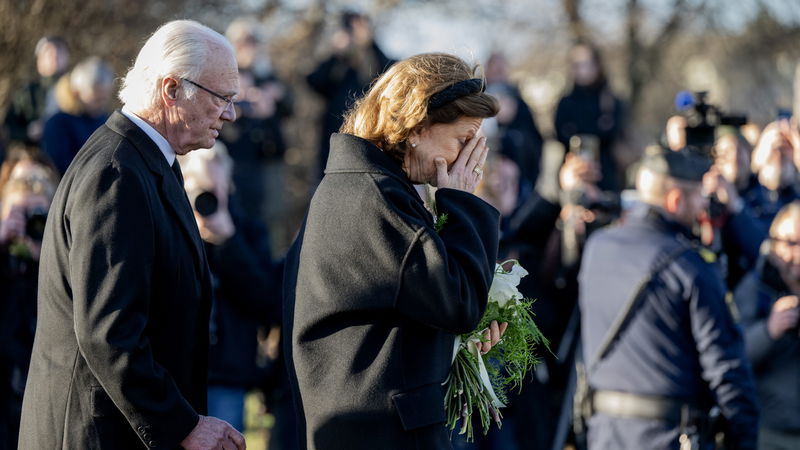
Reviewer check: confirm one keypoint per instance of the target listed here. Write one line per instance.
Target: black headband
(457, 90)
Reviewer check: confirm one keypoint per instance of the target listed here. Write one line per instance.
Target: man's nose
(229, 113)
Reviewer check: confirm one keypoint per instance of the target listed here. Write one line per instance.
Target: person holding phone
(767, 299)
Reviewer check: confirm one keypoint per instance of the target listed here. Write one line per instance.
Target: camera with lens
(702, 119)
(35, 220)
(204, 202)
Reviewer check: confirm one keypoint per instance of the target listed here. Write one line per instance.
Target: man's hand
(783, 317)
(492, 336)
(577, 172)
(211, 433)
(216, 228)
(715, 183)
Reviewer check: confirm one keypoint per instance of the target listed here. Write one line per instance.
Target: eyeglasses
(786, 242)
(228, 100)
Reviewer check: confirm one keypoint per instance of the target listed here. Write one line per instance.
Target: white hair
(179, 48)
(89, 73)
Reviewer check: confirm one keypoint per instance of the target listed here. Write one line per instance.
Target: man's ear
(672, 200)
(169, 90)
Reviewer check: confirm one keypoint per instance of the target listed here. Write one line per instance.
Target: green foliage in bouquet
(481, 382)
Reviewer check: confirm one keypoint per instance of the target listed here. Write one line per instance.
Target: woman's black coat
(374, 298)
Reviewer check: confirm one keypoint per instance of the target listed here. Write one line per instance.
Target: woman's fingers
(492, 335)
(503, 327)
(466, 153)
(495, 332)
(477, 156)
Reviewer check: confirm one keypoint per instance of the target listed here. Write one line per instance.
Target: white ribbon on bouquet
(482, 372)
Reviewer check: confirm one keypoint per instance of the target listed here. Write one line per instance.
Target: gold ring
(478, 170)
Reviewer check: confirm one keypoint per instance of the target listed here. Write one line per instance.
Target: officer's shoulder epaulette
(708, 256)
(704, 252)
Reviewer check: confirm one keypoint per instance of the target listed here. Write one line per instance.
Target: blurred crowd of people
(553, 192)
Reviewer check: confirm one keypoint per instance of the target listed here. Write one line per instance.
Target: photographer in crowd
(354, 62)
(31, 105)
(768, 303)
(255, 140)
(517, 133)
(27, 184)
(535, 235)
(773, 164)
(591, 108)
(245, 280)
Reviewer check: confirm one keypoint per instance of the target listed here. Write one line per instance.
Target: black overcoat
(120, 354)
(373, 298)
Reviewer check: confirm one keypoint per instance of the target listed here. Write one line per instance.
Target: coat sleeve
(722, 359)
(754, 305)
(743, 238)
(56, 142)
(445, 277)
(111, 255)
(327, 77)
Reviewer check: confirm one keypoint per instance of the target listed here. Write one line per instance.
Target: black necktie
(176, 169)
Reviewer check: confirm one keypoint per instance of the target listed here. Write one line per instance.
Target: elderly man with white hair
(120, 354)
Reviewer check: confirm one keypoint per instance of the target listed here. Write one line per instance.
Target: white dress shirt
(151, 132)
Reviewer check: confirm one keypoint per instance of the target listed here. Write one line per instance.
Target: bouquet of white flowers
(480, 382)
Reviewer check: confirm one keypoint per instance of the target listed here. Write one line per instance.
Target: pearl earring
(413, 145)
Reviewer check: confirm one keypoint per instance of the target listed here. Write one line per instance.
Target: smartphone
(586, 146)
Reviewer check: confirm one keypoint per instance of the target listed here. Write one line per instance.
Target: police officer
(659, 343)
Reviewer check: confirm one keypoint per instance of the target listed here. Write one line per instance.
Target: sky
(473, 27)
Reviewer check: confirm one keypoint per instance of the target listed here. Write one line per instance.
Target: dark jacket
(64, 135)
(17, 325)
(593, 110)
(764, 204)
(373, 298)
(247, 288)
(776, 362)
(120, 355)
(340, 83)
(680, 343)
(27, 105)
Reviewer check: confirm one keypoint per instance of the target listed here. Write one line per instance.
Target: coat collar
(170, 188)
(655, 217)
(150, 152)
(352, 154)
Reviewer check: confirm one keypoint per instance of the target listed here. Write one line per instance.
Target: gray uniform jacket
(681, 342)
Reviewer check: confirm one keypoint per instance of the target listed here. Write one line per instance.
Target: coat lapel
(171, 191)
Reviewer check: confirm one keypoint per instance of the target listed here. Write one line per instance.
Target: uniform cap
(686, 164)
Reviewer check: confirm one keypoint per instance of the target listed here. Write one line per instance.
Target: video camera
(703, 119)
